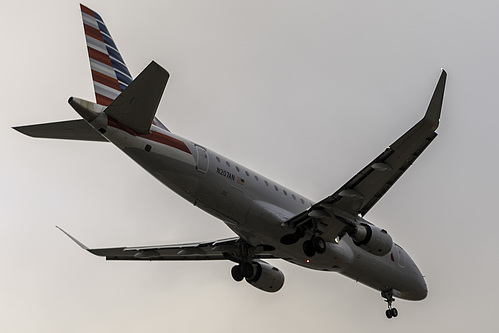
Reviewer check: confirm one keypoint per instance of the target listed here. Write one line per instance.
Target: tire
(308, 248)
(319, 245)
(395, 313)
(389, 314)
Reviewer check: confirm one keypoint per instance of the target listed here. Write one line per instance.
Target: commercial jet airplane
(270, 220)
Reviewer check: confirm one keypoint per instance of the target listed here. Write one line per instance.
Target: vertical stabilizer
(109, 72)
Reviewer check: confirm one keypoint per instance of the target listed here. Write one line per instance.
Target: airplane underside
(270, 221)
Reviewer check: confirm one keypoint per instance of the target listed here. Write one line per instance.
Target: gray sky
(306, 93)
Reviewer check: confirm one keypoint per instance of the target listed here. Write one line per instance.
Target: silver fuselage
(254, 207)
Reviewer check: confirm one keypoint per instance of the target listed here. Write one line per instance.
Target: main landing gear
(311, 246)
(391, 312)
(314, 245)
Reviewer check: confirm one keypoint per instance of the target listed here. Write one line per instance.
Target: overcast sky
(304, 92)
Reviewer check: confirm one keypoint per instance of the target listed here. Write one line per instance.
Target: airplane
(270, 221)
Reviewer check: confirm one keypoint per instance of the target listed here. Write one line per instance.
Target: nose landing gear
(391, 312)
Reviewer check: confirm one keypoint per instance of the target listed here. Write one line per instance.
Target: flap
(223, 249)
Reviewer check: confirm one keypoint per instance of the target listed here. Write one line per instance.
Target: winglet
(80, 244)
(432, 115)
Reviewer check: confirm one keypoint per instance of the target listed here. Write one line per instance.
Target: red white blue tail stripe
(109, 72)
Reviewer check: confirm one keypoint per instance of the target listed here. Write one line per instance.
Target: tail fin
(109, 72)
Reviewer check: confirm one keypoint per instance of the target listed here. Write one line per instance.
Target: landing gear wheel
(319, 245)
(391, 313)
(308, 248)
(236, 273)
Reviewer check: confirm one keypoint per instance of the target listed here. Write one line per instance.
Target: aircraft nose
(423, 290)
(420, 289)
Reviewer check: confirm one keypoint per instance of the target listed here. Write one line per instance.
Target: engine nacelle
(372, 239)
(266, 277)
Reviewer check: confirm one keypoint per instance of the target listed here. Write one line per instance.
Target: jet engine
(372, 239)
(259, 274)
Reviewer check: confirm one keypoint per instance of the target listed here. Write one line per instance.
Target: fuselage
(255, 207)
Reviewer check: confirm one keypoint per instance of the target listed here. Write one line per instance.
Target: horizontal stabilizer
(136, 106)
(69, 130)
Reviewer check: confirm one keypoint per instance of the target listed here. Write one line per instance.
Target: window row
(264, 181)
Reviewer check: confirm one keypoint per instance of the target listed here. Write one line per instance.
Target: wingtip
(443, 72)
(434, 110)
(23, 130)
(80, 244)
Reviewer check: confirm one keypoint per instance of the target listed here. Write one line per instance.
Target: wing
(362, 191)
(224, 249)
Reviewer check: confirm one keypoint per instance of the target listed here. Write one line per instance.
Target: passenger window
(228, 164)
(247, 173)
(256, 177)
(303, 202)
(285, 193)
(218, 159)
(267, 184)
(292, 195)
(237, 168)
(276, 188)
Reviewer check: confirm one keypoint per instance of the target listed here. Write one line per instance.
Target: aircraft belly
(336, 258)
(167, 157)
(176, 168)
(224, 201)
(169, 171)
